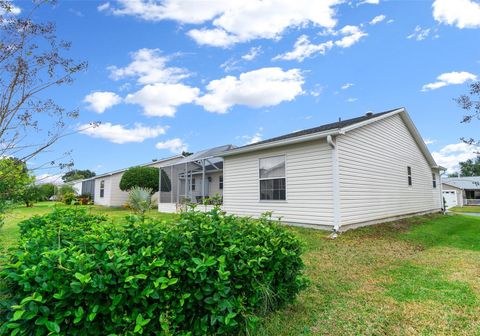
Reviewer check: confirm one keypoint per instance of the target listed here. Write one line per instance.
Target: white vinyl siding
(308, 179)
(373, 173)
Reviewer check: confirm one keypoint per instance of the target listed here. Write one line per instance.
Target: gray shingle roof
(322, 128)
(469, 183)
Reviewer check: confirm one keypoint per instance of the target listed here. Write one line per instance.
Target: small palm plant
(140, 200)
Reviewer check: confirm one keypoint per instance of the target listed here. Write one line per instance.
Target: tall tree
(470, 103)
(32, 61)
(470, 167)
(77, 174)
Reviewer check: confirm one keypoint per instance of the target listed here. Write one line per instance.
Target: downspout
(335, 187)
(442, 203)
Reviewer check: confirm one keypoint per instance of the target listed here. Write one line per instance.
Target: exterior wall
(308, 185)
(373, 180)
(77, 186)
(113, 195)
(105, 200)
(213, 187)
(459, 193)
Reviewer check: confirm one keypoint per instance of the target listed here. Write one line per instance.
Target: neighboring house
(350, 173)
(106, 187)
(460, 191)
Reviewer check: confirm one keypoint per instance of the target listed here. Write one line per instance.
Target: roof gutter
(284, 142)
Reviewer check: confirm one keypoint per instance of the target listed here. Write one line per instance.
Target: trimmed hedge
(209, 273)
(145, 177)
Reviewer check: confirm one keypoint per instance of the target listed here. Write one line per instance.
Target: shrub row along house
(350, 173)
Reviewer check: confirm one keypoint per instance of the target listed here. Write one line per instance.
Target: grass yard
(468, 208)
(418, 276)
(9, 232)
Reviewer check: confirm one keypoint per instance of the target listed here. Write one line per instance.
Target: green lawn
(468, 208)
(419, 276)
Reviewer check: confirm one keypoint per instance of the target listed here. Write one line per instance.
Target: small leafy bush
(209, 273)
(68, 198)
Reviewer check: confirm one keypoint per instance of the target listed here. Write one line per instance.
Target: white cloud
(352, 100)
(390, 21)
(419, 34)
(353, 34)
(450, 155)
(162, 99)
(148, 66)
(450, 78)
(317, 90)
(49, 178)
(252, 53)
(175, 145)
(103, 7)
(13, 10)
(370, 2)
(213, 37)
(461, 13)
(429, 141)
(234, 21)
(121, 134)
(230, 65)
(303, 48)
(377, 19)
(347, 85)
(258, 88)
(101, 100)
(251, 139)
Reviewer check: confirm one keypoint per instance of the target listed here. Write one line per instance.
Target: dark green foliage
(75, 274)
(77, 174)
(470, 167)
(145, 177)
(47, 190)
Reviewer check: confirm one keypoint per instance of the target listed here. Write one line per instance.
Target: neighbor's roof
(467, 182)
(336, 128)
(140, 165)
(205, 154)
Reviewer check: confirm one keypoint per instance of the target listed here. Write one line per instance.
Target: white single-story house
(350, 173)
(461, 191)
(105, 188)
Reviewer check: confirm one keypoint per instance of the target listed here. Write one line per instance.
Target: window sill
(273, 201)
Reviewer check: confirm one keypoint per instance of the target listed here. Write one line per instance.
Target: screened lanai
(197, 178)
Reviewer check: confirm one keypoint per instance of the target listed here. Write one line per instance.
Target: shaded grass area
(467, 208)
(417, 276)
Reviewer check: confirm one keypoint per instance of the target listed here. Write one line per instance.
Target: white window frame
(434, 180)
(272, 178)
(220, 182)
(409, 176)
(102, 189)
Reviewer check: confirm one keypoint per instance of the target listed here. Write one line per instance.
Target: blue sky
(170, 75)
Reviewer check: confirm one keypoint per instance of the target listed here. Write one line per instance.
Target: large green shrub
(144, 177)
(75, 274)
